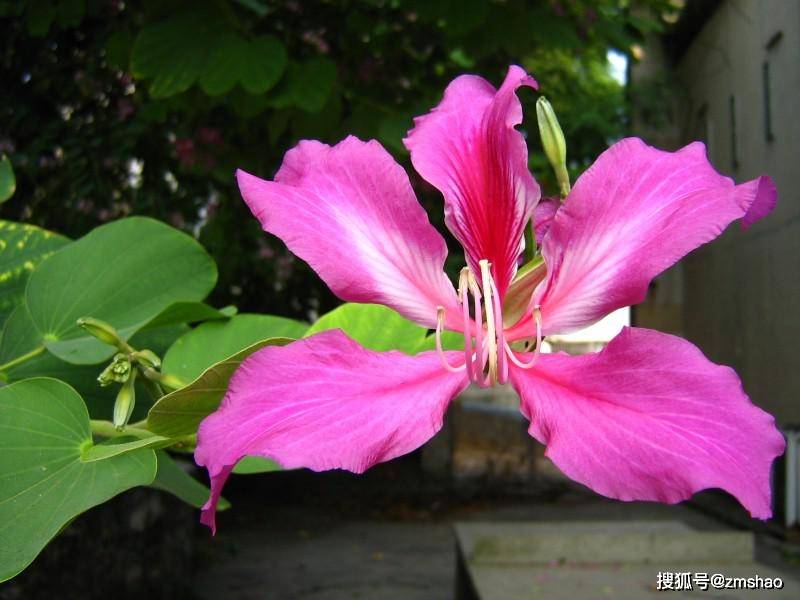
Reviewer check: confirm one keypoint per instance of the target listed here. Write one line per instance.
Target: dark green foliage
(94, 91)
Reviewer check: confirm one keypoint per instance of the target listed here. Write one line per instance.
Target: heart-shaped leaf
(22, 247)
(373, 326)
(180, 412)
(44, 483)
(125, 273)
(212, 342)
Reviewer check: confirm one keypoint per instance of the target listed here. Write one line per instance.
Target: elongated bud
(118, 371)
(126, 400)
(553, 142)
(102, 331)
(148, 358)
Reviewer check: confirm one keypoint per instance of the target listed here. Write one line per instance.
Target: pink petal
(208, 514)
(325, 402)
(543, 216)
(632, 215)
(349, 211)
(468, 148)
(650, 418)
(766, 197)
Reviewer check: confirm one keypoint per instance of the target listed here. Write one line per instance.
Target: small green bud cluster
(124, 368)
(118, 371)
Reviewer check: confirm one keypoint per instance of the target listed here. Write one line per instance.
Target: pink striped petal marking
(326, 402)
(349, 211)
(650, 418)
(468, 147)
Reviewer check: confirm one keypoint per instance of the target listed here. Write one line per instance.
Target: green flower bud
(102, 331)
(126, 400)
(148, 358)
(118, 371)
(555, 147)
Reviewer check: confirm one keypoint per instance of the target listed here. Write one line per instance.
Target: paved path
(336, 537)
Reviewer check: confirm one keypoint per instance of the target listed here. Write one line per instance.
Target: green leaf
(22, 247)
(311, 82)
(373, 326)
(212, 342)
(257, 65)
(180, 412)
(190, 312)
(122, 445)
(255, 464)
(450, 341)
(43, 481)
(224, 64)
(8, 183)
(19, 338)
(263, 63)
(125, 273)
(173, 479)
(171, 53)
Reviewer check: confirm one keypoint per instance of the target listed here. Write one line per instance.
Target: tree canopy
(112, 108)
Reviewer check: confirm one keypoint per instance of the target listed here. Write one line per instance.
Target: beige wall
(741, 294)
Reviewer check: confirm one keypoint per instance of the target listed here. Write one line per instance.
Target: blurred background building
(727, 73)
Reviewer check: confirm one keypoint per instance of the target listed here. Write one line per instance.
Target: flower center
(486, 351)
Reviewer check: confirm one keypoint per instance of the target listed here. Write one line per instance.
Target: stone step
(603, 559)
(599, 542)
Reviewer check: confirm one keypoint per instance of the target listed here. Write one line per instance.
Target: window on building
(733, 133)
(766, 82)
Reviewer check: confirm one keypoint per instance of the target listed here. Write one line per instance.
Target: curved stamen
(439, 350)
(463, 284)
(491, 331)
(479, 356)
(537, 315)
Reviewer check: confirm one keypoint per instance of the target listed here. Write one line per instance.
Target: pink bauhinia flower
(647, 418)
